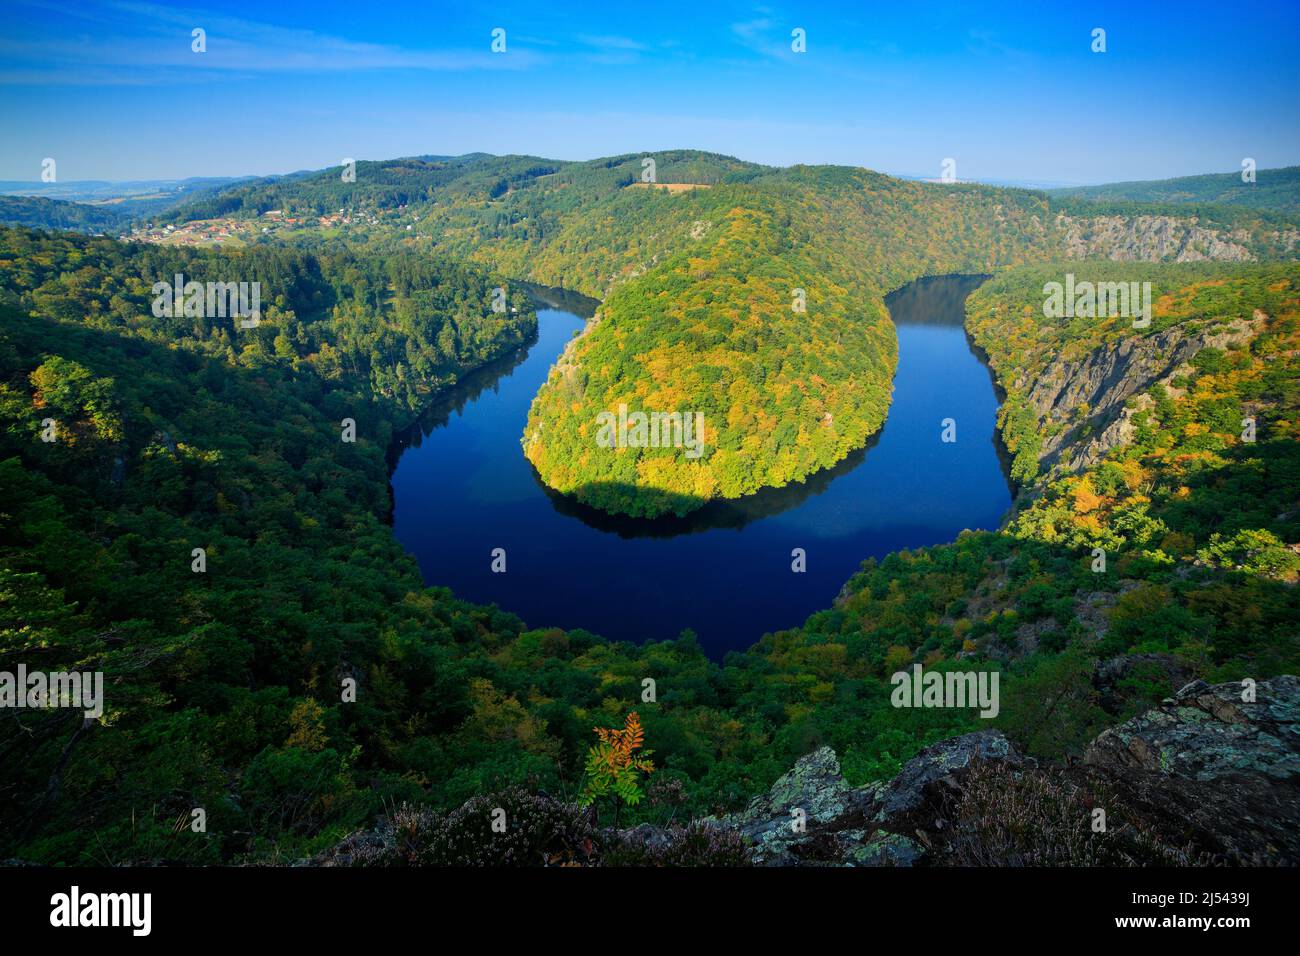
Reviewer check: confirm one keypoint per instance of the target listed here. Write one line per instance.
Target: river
(462, 488)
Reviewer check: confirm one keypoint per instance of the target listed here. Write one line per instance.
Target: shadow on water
(566, 300)
(454, 400)
(934, 300)
(472, 385)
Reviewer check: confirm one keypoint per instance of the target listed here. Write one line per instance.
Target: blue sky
(1012, 91)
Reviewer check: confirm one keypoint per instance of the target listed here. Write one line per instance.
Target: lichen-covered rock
(880, 849)
(937, 765)
(1207, 732)
(814, 786)
(1211, 771)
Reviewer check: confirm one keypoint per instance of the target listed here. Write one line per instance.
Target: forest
(224, 675)
(1264, 189)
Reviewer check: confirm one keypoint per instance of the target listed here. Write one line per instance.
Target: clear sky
(1012, 91)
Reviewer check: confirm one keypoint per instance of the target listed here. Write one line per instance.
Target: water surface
(462, 488)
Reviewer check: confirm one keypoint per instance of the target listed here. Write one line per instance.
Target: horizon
(114, 92)
(1028, 183)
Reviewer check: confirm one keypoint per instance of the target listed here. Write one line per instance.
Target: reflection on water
(462, 487)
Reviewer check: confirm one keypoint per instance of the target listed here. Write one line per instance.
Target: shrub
(538, 831)
(699, 844)
(612, 765)
(1004, 817)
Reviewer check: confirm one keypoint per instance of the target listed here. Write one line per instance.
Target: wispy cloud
(988, 43)
(612, 42)
(141, 43)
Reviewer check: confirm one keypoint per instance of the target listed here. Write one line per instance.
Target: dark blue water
(462, 487)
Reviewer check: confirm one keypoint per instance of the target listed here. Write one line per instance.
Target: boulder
(1205, 732)
(939, 765)
(1210, 771)
(815, 786)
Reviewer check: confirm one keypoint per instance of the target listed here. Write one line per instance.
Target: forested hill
(39, 212)
(398, 327)
(1272, 189)
(750, 295)
(98, 206)
(468, 180)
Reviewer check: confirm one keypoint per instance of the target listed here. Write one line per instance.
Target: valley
(828, 538)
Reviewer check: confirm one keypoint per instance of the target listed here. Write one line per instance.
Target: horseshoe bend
(906, 478)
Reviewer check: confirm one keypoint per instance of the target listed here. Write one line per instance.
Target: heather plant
(698, 844)
(1005, 817)
(510, 828)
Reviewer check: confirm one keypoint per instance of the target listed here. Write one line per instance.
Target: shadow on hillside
(552, 297)
(452, 401)
(700, 514)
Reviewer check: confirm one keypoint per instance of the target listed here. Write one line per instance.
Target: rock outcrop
(1204, 778)
(811, 816)
(1211, 769)
(1206, 733)
(798, 820)
(1104, 381)
(1151, 239)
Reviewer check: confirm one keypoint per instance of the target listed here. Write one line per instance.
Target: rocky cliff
(1151, 239)
(1205, 778)
(1083, 406)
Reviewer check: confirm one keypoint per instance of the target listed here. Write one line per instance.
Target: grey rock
(1204, 733)
(815, 786)
(881, 849)
(1150, 239)
(938, 764)
(1105, 380)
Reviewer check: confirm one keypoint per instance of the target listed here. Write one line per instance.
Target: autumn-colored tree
(613, 766)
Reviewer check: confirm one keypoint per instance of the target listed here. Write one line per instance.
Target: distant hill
(95, 205)
(40, 213)
(1273, 189)
(472, 178)
(105, 190)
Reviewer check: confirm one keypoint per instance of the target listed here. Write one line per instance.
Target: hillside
(1273, 189)
(38, 212)
(399, 327)
(973, 800)
(97, 207)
